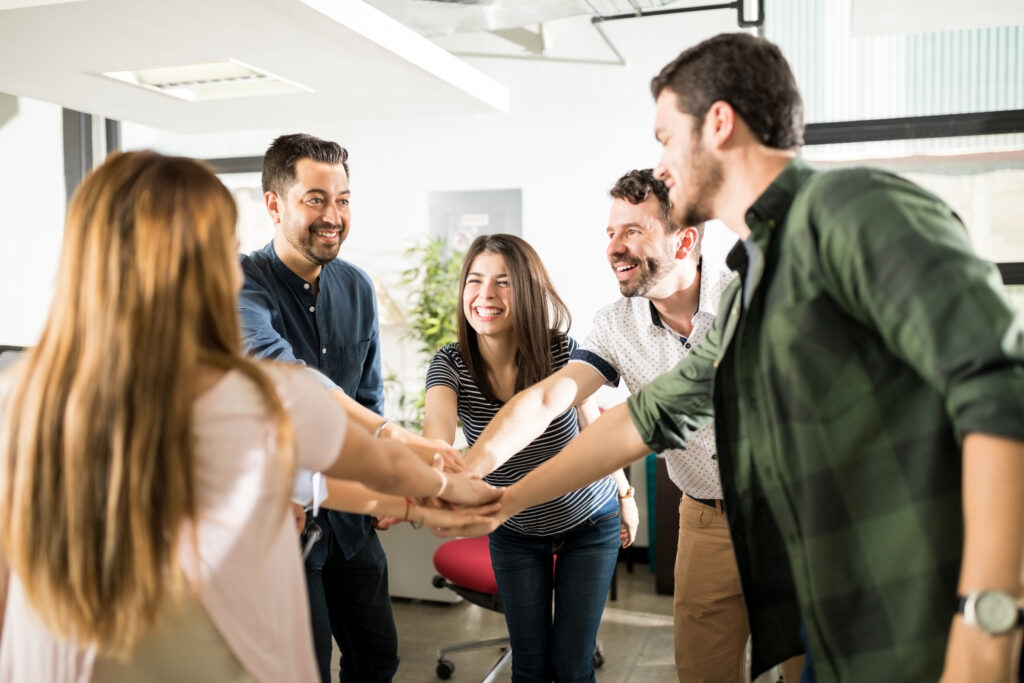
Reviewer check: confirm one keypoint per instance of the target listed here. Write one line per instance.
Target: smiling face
(487, 295)
(312, 217)
(639, 250)
(693, 176)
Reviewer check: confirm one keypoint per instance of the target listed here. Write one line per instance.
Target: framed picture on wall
(458, 217)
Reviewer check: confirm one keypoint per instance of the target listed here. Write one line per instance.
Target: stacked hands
(465, 505)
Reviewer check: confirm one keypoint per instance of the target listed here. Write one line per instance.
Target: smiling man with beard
(301, 303)
(670, 296)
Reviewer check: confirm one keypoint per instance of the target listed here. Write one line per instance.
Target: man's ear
(719, 124)
(272, 202)
(687, 242)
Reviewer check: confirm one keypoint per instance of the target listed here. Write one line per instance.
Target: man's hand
(629, 520)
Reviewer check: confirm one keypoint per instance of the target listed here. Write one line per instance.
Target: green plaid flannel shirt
(872, 341)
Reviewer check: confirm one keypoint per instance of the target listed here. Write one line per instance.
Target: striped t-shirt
(475, 411)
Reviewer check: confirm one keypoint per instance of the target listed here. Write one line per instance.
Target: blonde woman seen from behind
(145, 463)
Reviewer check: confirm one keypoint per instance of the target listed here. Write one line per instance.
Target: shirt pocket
(349, 364)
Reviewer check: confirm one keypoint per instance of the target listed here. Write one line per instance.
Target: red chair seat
(467, 562)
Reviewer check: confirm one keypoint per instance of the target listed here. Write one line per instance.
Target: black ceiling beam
(236, 164)
(738, 6)
(1013, 273)
(916, 127)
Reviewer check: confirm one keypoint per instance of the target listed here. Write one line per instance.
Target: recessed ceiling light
(210, 81)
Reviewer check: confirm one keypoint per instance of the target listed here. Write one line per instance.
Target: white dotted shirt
(630, 341)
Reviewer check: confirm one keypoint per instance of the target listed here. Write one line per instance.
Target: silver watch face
(995, 611)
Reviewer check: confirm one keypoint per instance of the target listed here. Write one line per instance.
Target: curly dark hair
(287, 150)
(637, 185)
(750, 74)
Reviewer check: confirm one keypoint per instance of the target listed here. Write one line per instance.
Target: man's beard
(650, 271)
(707, 179)
(317, 253)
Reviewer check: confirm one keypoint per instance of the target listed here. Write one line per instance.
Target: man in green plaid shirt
(867, 380)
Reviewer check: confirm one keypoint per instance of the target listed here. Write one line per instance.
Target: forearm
(609, 444)
(993, 485)
(520, 421)
(993, 505)
(621, 483)
(384, 465)
(357, 412)
(351, 496)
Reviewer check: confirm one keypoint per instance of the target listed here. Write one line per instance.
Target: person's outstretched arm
(421, 445)
(605, 446)
(528, 414)
(389, 467)
(351, 496)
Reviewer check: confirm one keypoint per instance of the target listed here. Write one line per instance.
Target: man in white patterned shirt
(669, 303)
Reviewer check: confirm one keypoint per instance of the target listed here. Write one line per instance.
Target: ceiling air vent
(211, 81)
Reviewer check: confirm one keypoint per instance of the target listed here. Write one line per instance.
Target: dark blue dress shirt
(334, 331)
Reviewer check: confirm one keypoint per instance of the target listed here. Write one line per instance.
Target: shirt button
(305, 285)
(312, 309)
(323, 350)
(687, 344)
(771, 222)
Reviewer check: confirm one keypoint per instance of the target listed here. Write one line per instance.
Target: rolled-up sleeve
(676, 404)
(899, 259)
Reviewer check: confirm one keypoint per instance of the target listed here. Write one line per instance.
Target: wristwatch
(993, 611)
(628, 494)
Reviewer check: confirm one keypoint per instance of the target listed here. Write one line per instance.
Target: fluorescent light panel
(210, 81)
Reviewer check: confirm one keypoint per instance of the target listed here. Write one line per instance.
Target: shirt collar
(770, 209)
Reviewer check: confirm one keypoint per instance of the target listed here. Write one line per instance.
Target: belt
(716, 503)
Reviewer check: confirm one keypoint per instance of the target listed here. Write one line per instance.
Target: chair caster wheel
(598, 659)
(445, 669)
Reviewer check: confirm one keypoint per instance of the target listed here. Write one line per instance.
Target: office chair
(464, 566)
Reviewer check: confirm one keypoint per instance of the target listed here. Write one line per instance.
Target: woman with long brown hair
(145, 463)
(513, 333)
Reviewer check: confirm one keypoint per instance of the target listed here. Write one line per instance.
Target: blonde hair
(96, 469)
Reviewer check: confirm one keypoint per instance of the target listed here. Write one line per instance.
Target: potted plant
(434, 278)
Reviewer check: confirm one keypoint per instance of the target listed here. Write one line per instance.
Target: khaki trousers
(710, 618)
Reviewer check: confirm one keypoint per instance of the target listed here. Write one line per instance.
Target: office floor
(636, 635)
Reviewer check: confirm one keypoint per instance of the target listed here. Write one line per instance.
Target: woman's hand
(478, 527)
(426, 447)
(467, 488)
(299, 513)
(629, 520)
(456, 522)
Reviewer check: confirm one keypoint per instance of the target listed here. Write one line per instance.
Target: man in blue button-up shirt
(300, 303)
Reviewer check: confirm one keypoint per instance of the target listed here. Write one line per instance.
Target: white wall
(32, 197)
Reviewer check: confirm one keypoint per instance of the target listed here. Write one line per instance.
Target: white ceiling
(358, 62)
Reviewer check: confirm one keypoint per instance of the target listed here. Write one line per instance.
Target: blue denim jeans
(349, 599)
(558, 648)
